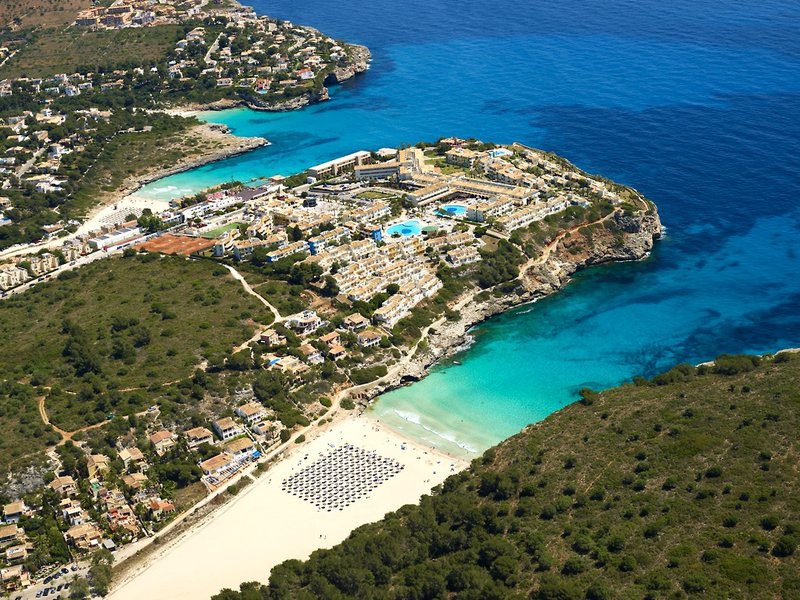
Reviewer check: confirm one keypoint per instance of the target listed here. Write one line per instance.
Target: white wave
(407, 416)
(449, 437)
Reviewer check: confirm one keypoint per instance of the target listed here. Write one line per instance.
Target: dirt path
(67, 435)
(551, 245)
(240, 278)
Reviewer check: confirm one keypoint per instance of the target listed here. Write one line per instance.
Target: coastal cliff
(621, 236)
(359, 62)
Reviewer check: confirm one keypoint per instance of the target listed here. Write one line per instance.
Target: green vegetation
(663, 489)
(215, 233)
(107, 338)
(70, 50)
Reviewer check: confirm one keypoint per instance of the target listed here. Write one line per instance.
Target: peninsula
(96, 102)
(303, 298)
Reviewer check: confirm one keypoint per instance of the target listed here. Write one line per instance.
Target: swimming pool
(406, 229)
(453, 210)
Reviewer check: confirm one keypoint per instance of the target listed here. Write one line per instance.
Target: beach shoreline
(248, 541)
(227, 145)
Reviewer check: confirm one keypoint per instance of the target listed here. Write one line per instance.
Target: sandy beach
(265, 525)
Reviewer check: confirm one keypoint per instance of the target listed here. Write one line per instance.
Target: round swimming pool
(406, 229)
(453, 210)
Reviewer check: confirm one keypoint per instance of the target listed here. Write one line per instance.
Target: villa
(240, 448)
(252, 412)
(227, 428)
(14, 511)
(162, 441)
(311, 354)
(216, 465)
(272, 337)
(355, 322)
(304, 322)
(369, 339)
(64, 486)
(131, 455)
(84, 536)
(10, 533)
(97, 464)
(198, 436)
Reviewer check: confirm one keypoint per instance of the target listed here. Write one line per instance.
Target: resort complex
(353, 265)
(265, 335)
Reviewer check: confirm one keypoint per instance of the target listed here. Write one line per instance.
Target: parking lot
(56, 585)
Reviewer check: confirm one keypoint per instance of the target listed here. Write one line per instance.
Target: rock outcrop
(359, 62)
(623, 236)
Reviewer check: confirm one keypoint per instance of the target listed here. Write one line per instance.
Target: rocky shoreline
(361, 57)
(538, 280)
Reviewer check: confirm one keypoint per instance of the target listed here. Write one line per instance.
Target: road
(79, 262)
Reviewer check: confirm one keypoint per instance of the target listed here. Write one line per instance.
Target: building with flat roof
(339, 165)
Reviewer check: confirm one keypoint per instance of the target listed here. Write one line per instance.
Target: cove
(696, 104)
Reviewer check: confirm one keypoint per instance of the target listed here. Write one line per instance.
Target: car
(60, 587)
(66, 585)
(39, 593)
(45, 592)
(48, 578)
(64, 570)
(74, 567)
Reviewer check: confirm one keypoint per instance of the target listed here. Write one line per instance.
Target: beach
(265, 525)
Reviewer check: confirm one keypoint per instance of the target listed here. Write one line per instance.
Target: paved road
(30, 593)
(79, 262)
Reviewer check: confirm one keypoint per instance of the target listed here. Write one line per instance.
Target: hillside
(686, 486)
(52, 51)
(47, 13)
(107, 338)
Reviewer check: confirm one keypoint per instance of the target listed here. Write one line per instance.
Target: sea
(696, 103)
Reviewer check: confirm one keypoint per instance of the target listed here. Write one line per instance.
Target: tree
(79, 589)
(100, 571)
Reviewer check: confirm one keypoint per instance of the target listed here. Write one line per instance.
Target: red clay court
(176, 244)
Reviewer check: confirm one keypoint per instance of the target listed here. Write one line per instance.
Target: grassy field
(683, 487)
(64, 51)
(215, 233)
(105, 339)
(40, 13)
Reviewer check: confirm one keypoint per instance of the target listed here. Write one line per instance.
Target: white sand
(264, 525)
(115, 213)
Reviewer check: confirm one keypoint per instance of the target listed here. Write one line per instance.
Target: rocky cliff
(359, 62)
(622, 236)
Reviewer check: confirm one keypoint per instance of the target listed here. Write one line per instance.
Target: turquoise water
(695, 103)
(454, 210)
(406, 229)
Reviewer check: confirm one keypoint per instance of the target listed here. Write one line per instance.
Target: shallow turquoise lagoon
(694, 102)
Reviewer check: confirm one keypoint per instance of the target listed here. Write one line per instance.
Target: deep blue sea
(695, 103)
